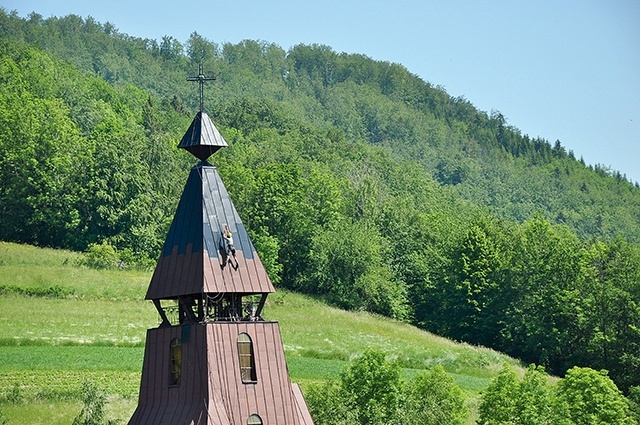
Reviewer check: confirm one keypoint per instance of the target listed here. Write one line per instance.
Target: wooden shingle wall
(211, 390)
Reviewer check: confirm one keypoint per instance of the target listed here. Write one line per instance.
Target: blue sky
(558, 69)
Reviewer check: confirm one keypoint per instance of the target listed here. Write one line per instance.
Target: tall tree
(478, 290)
(591, 397)
(372, 388)
(611, 296)
(541, 322)
(433, 397)
(199, 49)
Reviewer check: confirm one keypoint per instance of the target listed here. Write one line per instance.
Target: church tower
(213, 359)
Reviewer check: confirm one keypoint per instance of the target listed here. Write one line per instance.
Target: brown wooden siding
(211, 390)
(301, 405)
(271, 395)
(160, 403)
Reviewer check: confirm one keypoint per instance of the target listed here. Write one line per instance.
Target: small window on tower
(176, 361)
(247, 362)
(254, 420)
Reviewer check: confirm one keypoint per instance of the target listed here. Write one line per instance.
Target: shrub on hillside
(105, 256)
(93, 409)
(371, 391)
(101, 256)
(583, 396)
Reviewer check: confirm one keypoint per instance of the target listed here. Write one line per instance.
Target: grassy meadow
(62, 324)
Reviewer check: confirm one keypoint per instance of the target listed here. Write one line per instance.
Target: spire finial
(201, 78)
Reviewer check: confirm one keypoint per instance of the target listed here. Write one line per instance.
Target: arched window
(247, 362)
(254, 420)
(176, 361)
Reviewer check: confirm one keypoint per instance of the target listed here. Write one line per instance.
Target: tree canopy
(358, 181)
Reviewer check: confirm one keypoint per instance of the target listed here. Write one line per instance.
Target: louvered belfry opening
(213, 359)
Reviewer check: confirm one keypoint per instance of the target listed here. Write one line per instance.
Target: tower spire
(202, 138)
(201, 78)
(213, 359)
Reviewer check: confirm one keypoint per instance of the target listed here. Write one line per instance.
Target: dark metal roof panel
(193, 253)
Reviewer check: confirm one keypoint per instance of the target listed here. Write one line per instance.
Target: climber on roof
(228, 241)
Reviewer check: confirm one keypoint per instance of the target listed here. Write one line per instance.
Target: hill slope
(82, 324)
(358, 182)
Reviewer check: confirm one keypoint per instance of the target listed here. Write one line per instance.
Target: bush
(634, 402)
(93, 412)
(372, 386)
(327, 406)
(372, 392)
(268, 247)
(101, 256)
(348, 265)
(590, 396)
(583, 396)
(434, 398)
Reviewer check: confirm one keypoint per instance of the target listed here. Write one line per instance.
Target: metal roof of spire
(192, 260)
(202, 138)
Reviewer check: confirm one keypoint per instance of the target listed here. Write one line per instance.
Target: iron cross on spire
(201, 78)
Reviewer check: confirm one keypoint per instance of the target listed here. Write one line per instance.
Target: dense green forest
(359, 182)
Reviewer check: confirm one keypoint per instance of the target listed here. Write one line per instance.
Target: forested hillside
(359, 182)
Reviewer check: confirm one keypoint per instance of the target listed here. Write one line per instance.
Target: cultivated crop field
(62, 324)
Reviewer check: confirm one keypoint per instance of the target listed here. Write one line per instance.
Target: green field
(62, 324)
